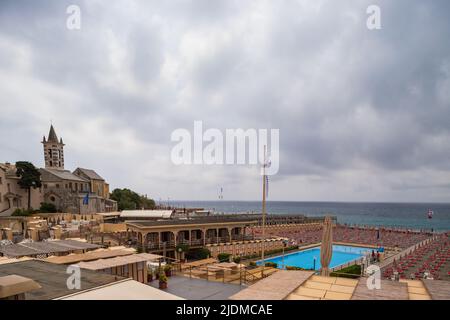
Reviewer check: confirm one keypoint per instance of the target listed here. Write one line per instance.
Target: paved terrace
(275, 287)
(438, 290)
(197, 289)
(390, 290)
(303, 285)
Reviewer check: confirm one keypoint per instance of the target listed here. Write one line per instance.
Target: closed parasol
(326, 249)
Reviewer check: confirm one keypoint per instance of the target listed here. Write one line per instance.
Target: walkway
(276, 287)
(438, 289)
(197, 289)
(390, 290)
(416, 290)
(324, 288)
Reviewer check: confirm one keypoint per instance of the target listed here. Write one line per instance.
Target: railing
(222, 274)
(346, 265)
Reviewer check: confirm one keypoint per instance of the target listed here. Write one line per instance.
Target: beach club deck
(160, 235)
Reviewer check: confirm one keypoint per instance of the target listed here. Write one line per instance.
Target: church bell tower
(53, 151)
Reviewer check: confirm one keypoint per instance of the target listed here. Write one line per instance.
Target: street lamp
(180, 250)
(285, 242)
(164, 250)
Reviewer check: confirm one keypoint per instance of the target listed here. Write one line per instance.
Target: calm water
(408, 215)
(305, 259)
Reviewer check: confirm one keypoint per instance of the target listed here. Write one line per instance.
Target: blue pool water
(305, 259)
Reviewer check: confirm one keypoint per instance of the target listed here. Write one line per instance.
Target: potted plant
(157, 273)
(162, 281)
(168, 270)
(150, 275)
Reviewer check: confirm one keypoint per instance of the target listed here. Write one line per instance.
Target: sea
(399, 215)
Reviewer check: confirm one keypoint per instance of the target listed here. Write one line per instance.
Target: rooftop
(52, 137)
(89, 256)
(118, 261)
(64, 174)
(90, 173)
(193, 221)
(161, 214)
(13, 284)
(123, 290)
(53, 278)
(45, 247)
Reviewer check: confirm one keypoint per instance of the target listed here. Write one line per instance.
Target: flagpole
(263, 213)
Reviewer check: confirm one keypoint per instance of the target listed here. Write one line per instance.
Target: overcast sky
(363, 115)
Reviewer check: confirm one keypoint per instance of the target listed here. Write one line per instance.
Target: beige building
(12, 196)
(80, 192)
(83, 191)
(98, 186)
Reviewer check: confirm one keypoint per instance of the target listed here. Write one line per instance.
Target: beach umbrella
(326, 249)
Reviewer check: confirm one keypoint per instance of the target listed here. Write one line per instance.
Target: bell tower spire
(53, 150)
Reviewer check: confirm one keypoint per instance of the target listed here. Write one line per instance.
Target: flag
(86, 199)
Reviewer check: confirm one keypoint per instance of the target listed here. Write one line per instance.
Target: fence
(236, 275)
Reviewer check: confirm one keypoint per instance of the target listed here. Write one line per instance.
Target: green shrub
(198, 254)
(167, 267)
(297, 268)
(252, 264)
(139, 249)
(237, 259)
(22, 212)
(348, 272)
(183, 247)
(223, 257)
(162, 277)
(47, 207)
(271, 264)
(269, 252)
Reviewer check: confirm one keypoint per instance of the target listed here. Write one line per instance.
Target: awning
(118, 261)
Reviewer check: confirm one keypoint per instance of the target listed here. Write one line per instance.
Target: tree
(130, 200)
(147, 203)
(30, 177)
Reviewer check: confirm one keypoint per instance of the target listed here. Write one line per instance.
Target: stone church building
(81, 191)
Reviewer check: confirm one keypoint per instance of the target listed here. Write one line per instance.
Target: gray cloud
(363, 115)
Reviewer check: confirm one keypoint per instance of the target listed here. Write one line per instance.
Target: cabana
(133, 266)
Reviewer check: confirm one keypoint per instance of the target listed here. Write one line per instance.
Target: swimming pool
(305, 259)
